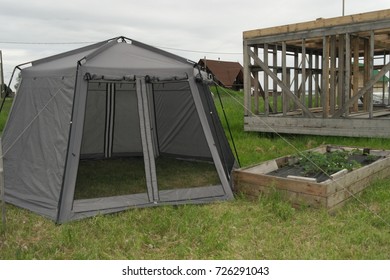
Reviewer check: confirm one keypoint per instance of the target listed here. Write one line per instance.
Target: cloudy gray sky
(193, 29)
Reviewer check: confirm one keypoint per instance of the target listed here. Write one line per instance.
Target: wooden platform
(323, 71)
(330, 194)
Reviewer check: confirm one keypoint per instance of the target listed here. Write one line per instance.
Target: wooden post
(275, 85)
(317, 81)
(370, 70)
(284, 79)
(341, 72)
(332, 88)
(247, 81)
(367, 74)
(266, 90)
(347, 84)
(303, 76)
(256, 86)
(325, 77)
(310, 85)
(296, 73)
(355, 71)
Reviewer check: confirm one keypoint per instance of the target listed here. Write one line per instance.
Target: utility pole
(343, 7)
(2, 190)
(2, 85)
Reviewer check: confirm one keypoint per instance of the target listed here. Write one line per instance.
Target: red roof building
(227, 73)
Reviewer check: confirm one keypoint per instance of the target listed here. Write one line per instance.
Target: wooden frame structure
(306, 76)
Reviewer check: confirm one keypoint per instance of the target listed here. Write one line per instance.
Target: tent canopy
(117, 98)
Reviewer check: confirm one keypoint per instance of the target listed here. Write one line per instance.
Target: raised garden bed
(322, 177)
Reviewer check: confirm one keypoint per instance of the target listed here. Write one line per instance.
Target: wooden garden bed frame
(330, 194)
(318, 77)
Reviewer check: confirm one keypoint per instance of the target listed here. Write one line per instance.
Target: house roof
(226, 72)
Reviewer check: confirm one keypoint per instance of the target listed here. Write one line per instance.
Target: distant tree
(18, 79)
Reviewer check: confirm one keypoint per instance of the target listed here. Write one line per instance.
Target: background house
(227, 73)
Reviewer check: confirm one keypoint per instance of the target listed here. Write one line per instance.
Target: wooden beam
(347, 78)
(341, 70)
(303, 75)
(319, 24)
(288, 92)
(317, 81)
(371, 68)
(266, 90)
(256, 86)
(332, 87)
(310, 85)
(247, 81)
(296, 82)
(284, 79)
(275, 85)
(355, 72)
(361, 92)
(325, 77)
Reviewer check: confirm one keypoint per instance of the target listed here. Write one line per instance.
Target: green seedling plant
(328, 163)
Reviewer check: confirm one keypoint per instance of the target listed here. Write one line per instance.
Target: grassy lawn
(268, 228)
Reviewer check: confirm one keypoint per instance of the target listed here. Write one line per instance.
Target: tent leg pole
(2, 192)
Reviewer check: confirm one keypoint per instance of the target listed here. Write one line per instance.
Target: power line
(196, 51)
(44, 43)
(82, 43)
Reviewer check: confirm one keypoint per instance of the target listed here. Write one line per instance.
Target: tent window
(113, 161)
(111, 153)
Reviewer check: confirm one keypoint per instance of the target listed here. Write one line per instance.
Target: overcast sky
(192, 29)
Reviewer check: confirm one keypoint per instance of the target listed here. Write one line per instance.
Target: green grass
(268, 228)
(123, 176)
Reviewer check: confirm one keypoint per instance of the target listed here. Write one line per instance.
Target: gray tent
(117, 98)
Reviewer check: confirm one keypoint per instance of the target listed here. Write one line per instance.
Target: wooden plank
(347, 83)
(310, 84)
(319, 24)
(355, 72)
(256, 191)
(371, 68)
(247, 82)
(266, 90)
(263, 168)
(311, 188)
(256, 86)
(317, 82)
(284, 79)
(296, 80)
(352, 189)
(367, 74)
(325, 78)
(349, 127)
(307, 179)
(332, 71)
(375, 114)
(303, 75)
(341, 71)
(275, 85)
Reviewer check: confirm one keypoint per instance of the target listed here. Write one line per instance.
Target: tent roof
(116, 53)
